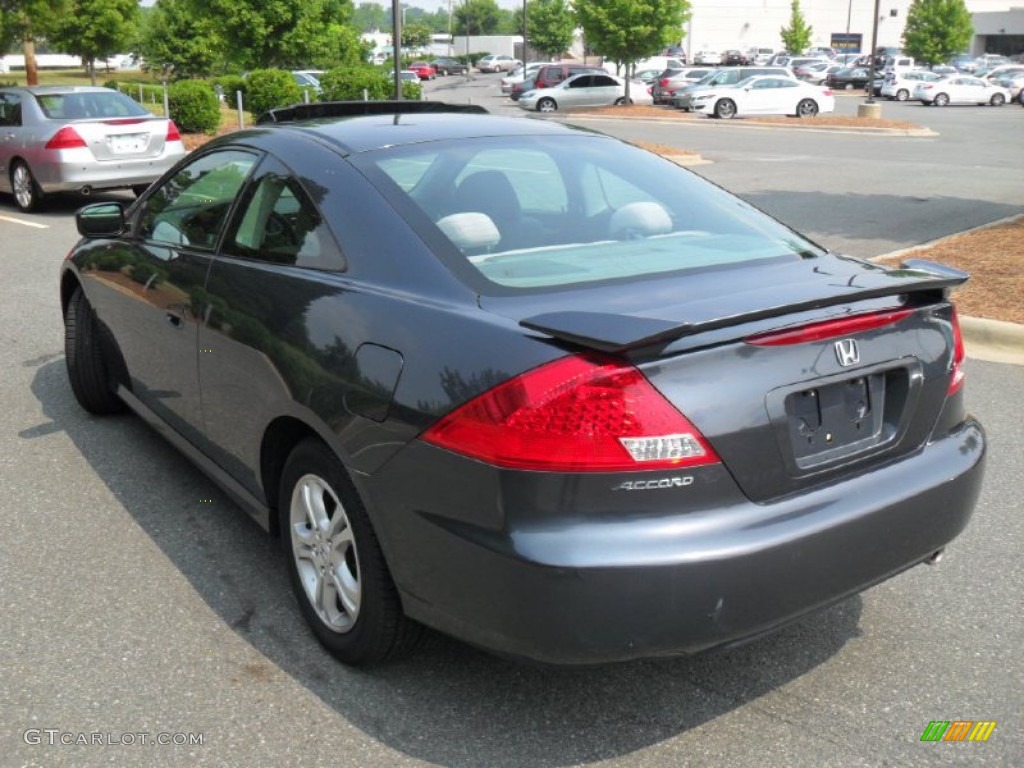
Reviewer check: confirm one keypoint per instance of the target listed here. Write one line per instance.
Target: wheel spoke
(349, 591)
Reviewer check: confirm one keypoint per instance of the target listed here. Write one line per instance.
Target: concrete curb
(994, 341)
(902, 132)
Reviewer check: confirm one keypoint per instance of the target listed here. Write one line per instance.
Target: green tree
(371, 17)
(626, 31)
(797, 36)
(550, 26)
(177, 37)
(286, 33)
(416, 35)
(936, 30)
(97, 29)
(476, 17)
(27, 20)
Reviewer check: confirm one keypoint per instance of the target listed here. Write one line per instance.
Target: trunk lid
(784, 411)
(123, 138)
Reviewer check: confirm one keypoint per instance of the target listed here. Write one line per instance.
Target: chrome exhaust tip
(934, 557)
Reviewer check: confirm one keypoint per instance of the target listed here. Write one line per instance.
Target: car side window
(10, 109)
(603, 80)
(583, 81)
(278, 222)
(190, 208)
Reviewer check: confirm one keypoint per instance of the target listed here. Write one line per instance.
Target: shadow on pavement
(449, 703)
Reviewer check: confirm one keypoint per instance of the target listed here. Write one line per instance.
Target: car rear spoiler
(320, 109)
(921, 281)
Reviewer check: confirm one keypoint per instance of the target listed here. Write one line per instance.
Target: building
(718, 25)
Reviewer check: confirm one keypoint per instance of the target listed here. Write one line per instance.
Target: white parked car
(586, 90)
(765, 95)
(900, 85)
(961, 89)
(707, 57)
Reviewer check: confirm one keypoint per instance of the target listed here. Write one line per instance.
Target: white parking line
(24, 223)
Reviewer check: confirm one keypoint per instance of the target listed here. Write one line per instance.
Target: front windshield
(530, 212)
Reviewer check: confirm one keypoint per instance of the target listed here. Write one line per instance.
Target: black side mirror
(100, 220)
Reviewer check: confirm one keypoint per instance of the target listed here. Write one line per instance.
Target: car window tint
(10, 109)
(604, 81)
(83, 105)
(191, 207)
(407, 171)
(279, 223)
(536, 212)
(533, 176)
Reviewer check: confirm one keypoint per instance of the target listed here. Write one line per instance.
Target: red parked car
(424, 69)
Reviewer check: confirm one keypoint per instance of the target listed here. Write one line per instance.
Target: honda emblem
(847, 353)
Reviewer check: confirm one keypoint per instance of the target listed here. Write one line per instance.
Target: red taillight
(663, 81)
(172, 132)
(956, 368)
(829, 329)
(585, 413)
(66, 138)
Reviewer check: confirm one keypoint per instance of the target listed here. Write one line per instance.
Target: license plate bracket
(129, 143)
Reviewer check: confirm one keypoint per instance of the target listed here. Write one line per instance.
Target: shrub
(194, 106)
(270, 88)
(348, 83)
(411, 91)
(231, 84)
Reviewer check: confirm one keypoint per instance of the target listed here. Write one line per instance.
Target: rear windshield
(529, 213)
(88, 104)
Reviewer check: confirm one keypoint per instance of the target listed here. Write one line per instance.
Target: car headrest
(470, 231)
(642, 219)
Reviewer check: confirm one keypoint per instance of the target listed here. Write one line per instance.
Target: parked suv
(552, 74)
(683, 97)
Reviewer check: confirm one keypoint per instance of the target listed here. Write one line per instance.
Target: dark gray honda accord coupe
(526, 384)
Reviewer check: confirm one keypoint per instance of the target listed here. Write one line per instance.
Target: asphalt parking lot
(137, 600)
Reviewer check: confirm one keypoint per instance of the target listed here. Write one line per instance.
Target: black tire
(27, 194)
(940, 100)
(377, 629)
(902, 94)
(725, 109)
(997, 100)
(546, 105)
(807, 108)
(88, 371)
(620, 101)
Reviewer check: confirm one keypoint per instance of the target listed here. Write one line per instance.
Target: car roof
(43, 89)
(365, 133)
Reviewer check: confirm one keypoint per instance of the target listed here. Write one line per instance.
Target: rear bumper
(574, 589)
(70, 171)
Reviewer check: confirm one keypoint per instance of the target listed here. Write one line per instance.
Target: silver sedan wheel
(24, 186)
(325, 553)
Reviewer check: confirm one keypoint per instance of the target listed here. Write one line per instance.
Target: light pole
(525, 56)
(397, 13)
(874, 45)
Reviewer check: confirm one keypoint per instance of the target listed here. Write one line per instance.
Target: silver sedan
(79, 139)
(586, 90)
